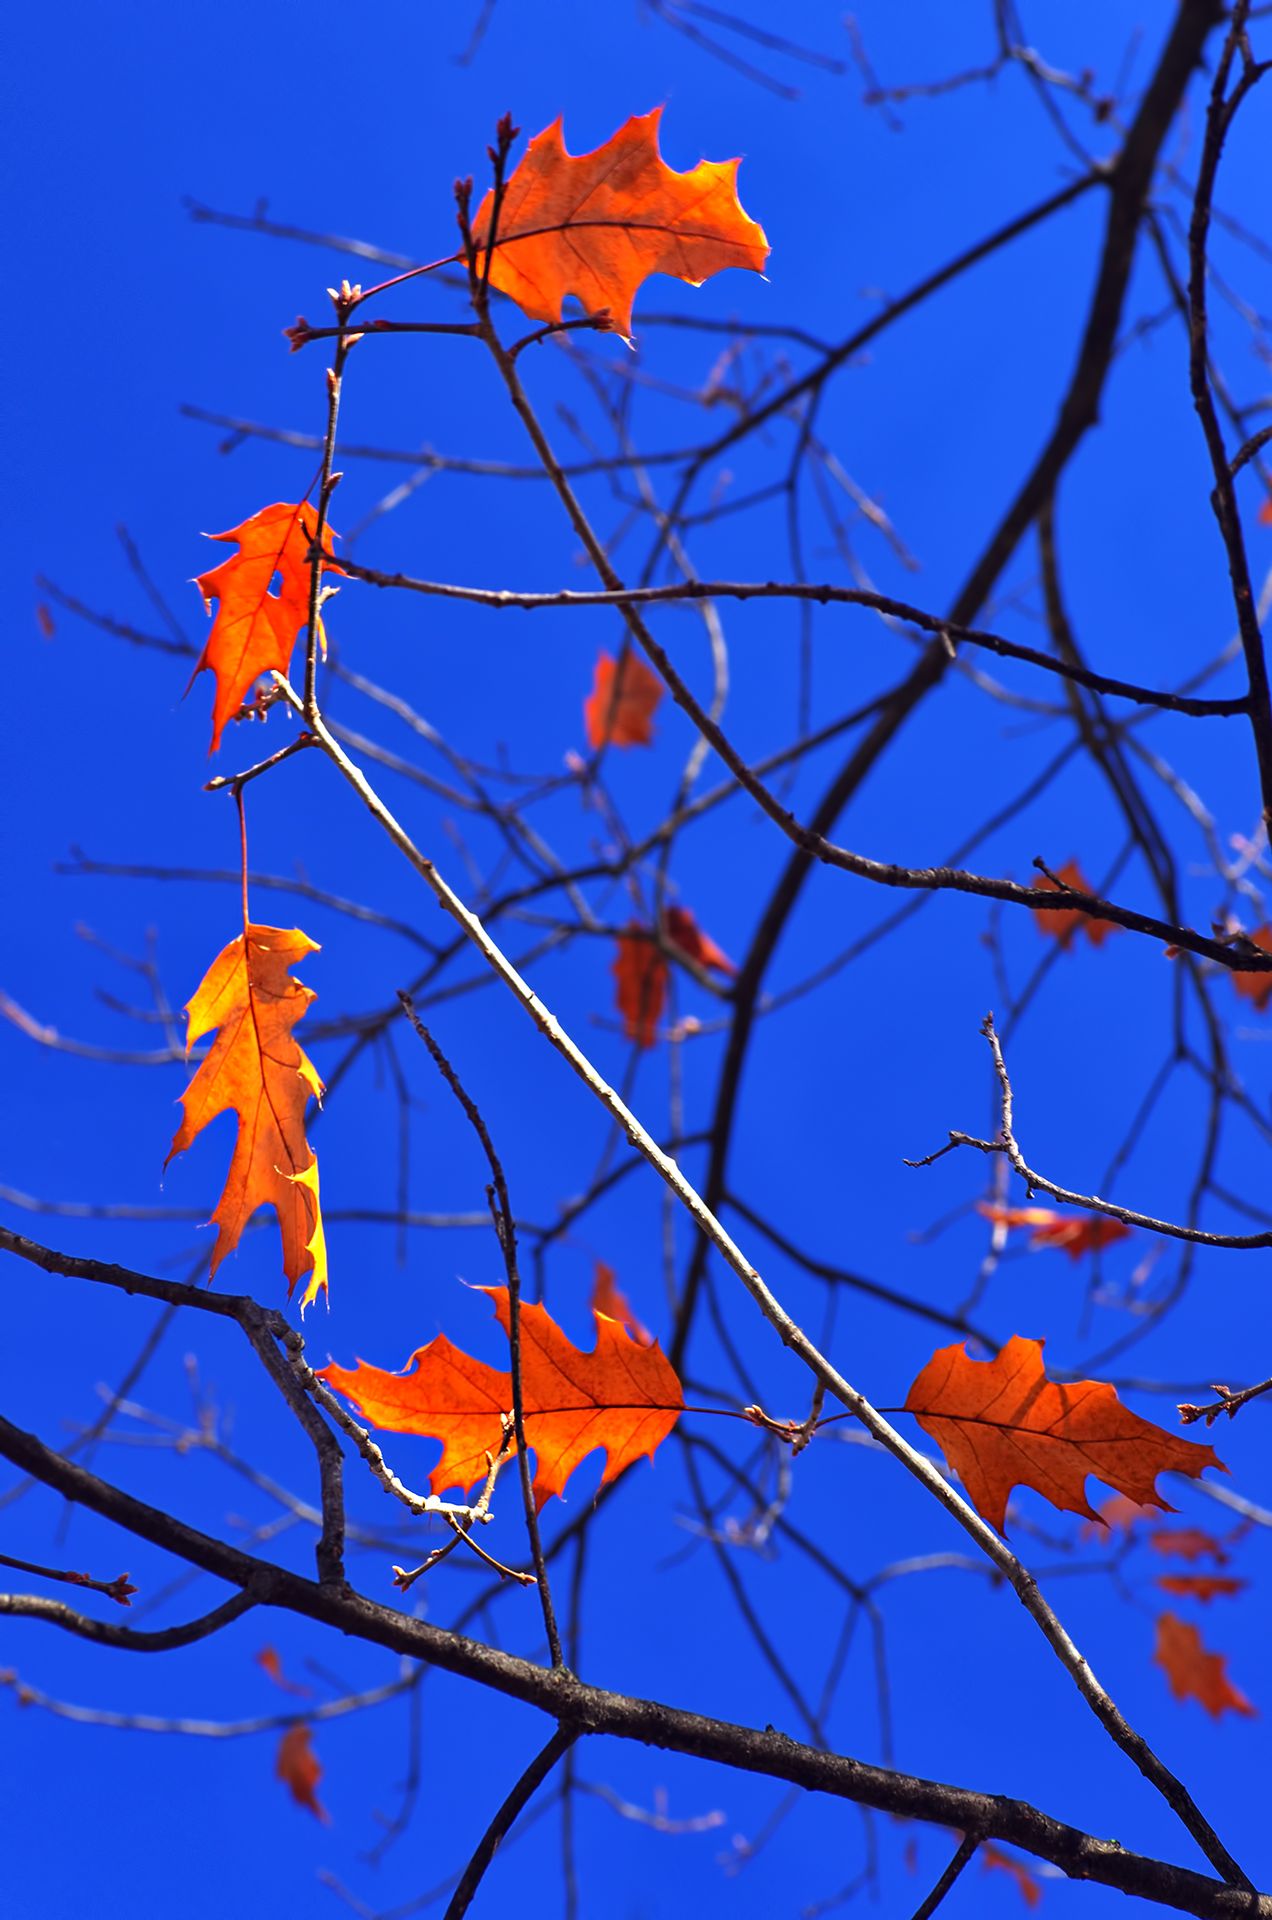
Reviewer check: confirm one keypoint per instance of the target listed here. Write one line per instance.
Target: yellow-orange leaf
(255, 629)
(1076, 1233)
(297, 1767)
(1193, 1673)
(256, 1070)
(608, 1298)
(619, 710)
(1200, 1586)
(621, 1396)
(598, 224)
(1062, 923)
(1002, 1424)
(640, 976)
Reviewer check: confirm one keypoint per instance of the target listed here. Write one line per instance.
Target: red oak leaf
(298, 1768)
(1076, 1233)
(683, 931)
(1062, 923)
(621, 1396)
(268, 1661)
(1188, 1543)
(1200, 1586)
(1027, 1883)
(256, 1070)
(1193, 1673)
(598, 224)
(620, 708)
(255, 628)
(1256, 987)
(1002, 1424)
(640, 975)
(609, 1299)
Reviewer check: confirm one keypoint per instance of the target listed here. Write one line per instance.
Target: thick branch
(586, 1709)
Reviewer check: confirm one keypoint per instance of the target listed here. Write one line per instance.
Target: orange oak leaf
(1265, 513)
(267, 1659)
(1116, 1515)
(1002, 1424)
(1256, 986)
(609, 1299)
(255, 629)
(621, 1396)
(298, 1768)
(1062, 923)
(256, 1069)
(1076, 1233)
(620, 708)
(1029, 1886)
(1193, 1673)
(598, 224)
(684, 932)
(640, 974)
(1188, 1543)
(1200, 1586)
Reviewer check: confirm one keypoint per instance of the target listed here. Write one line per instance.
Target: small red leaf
(1193, 1673)
(683, 931)
(619, 710)
(1076, 1233)
(298, 1768)
(1200, 1586)
(1256, 987)
(608, 1298)
(1062, 923)
(640, 975)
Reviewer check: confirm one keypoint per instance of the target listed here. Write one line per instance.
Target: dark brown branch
(31, 1606)
(586, 1709)
(529, 1783)
(505, 1227)
(963, 1853)
(1220, 114)
(266, 1331)
(823, 594)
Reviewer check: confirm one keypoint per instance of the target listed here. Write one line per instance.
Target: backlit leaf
(1200, 1586)
(1002, 1424)
(598, 224)
(298, 1768)
(1188, 1543)
(621, 1396)
(255, 628)
(1077, 1233)
(1193, 1673)
(684, 932)
(1256, 987)
(1027, 1884)
(619, 710)
(269, 1662)
(256, 1070)
(1062, 923)
(609, 1299)
(640, 975)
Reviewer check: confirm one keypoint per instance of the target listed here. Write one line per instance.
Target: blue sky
(128, 311)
